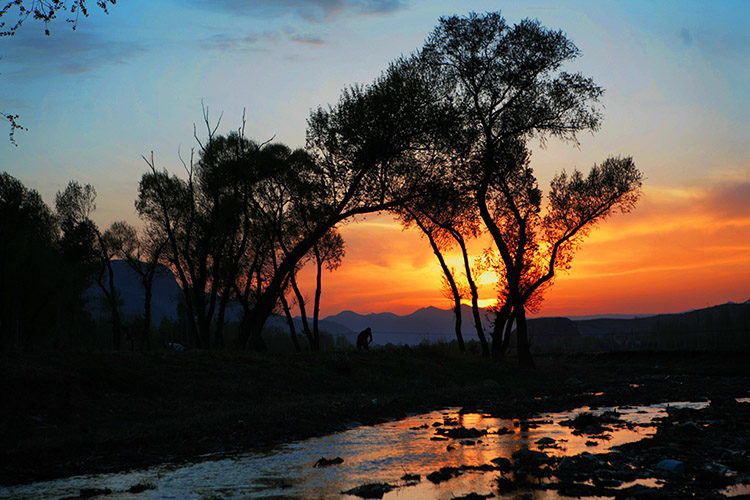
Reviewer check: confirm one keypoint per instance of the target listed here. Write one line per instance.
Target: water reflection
(737, 490)
(377, 454)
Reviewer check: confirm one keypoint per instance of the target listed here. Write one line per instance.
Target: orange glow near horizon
(680, 249)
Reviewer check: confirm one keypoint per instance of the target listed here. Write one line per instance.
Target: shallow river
(372, 454)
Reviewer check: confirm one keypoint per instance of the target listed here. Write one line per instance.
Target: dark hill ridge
(165, 291)
(714, 317)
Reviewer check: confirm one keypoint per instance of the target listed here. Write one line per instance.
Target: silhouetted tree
(29, 264)
(543, 239)
(301, 301)
(78, 241)
(576, 204)
(197, 219)
(329, 252)
(229, 223)
(141, 253)
(447, 216)
(414, 213)
(454, 291)
(366, 157)
(506, 82)
(326, 252)
(290, 321)
(107, 248)
(91, 249)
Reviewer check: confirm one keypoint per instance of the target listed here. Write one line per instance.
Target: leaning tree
(447, 217)
(371, 149)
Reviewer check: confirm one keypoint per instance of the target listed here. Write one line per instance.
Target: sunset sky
(677, 80)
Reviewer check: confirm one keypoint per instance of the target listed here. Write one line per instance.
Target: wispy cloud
(677, 230)
(68, 52)
(245, 42)
(729, 199)
(304, 19)
(259, 41)
(308, 39)
(308, 10)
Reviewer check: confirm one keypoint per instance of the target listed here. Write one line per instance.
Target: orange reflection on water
(371, 454)
(422, 449)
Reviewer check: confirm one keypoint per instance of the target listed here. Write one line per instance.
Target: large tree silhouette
(88, 247)
(30, 264)
(367, 158)
(508, 84)
(207, 224)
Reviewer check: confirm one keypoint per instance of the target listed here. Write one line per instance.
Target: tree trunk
(506, 337)
(219, 335)
(474, 297)
(111, 294)
(524, 349)
(252, 329)
(453, 285)
(146, 335)
(190, 323)
(290, 322)
(502, 317)
(459, 334)
(302, 312)
(316, 303)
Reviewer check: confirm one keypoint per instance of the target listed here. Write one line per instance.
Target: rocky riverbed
(86, 413)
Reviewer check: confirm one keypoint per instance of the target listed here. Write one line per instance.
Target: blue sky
(122, 85)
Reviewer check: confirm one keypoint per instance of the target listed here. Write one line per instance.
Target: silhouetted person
(364, 339)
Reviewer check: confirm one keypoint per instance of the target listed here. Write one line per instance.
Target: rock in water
(372, 490)
(670, 465)
(325, 462)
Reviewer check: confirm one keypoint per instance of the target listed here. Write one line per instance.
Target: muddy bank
(95, 412)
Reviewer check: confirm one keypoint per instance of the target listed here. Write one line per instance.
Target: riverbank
(71, 413)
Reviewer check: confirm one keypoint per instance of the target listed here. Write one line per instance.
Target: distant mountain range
(434, 324)
(425, 324)
(431, 323)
